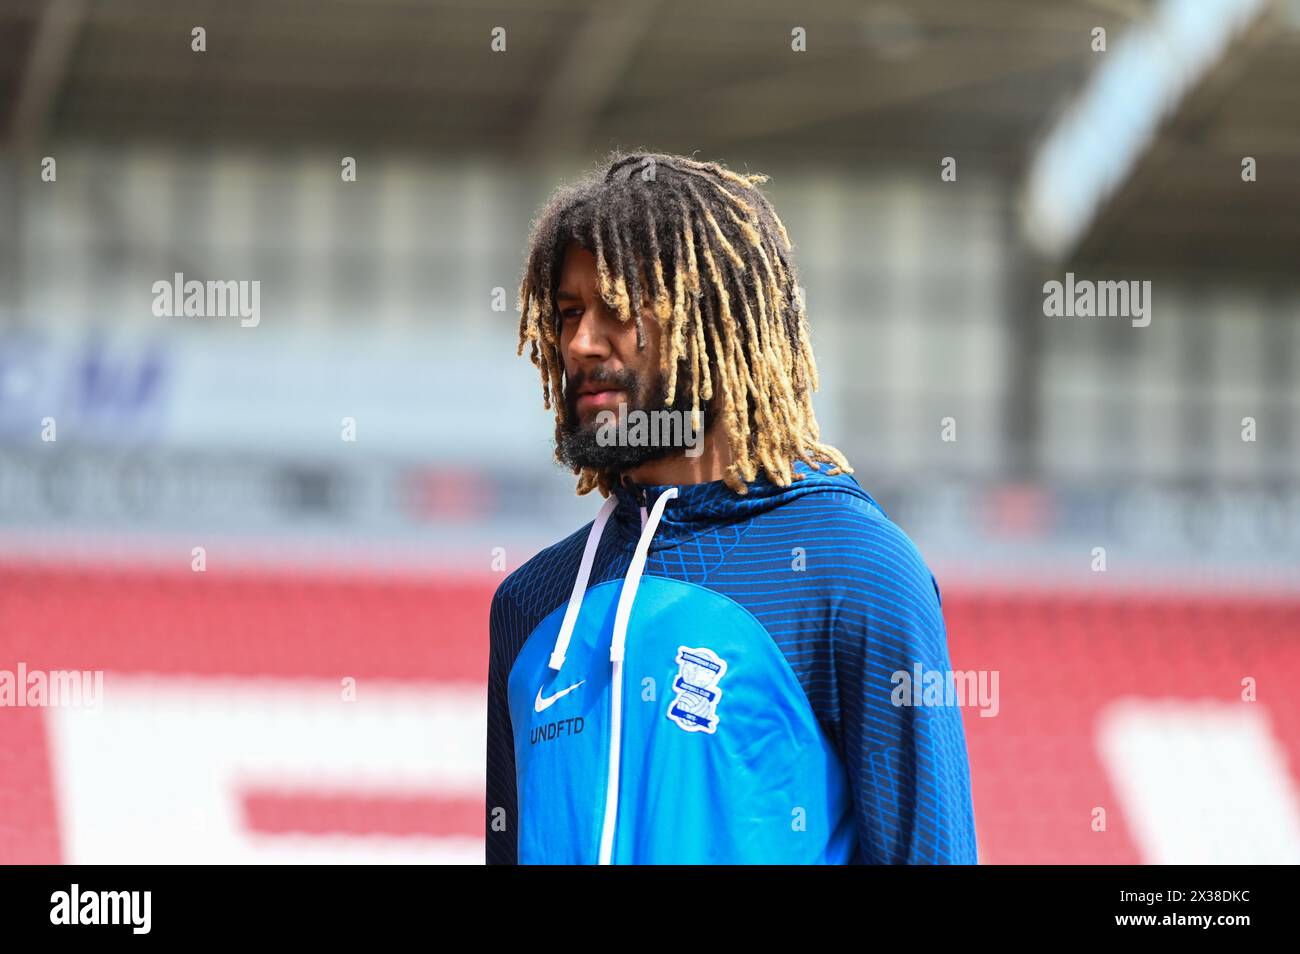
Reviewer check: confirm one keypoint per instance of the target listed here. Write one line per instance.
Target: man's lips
(599, 399)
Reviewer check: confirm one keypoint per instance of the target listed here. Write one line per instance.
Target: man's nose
(591, 337)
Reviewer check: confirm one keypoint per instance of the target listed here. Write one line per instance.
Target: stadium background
(223, 735)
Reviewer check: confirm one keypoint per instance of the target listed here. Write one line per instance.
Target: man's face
(603, 368)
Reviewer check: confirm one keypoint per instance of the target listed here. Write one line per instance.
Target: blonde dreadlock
(704, 248)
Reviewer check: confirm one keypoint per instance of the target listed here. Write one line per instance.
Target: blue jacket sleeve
(501, 847)
(907, 763)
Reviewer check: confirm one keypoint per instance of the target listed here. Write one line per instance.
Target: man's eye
(568, 313)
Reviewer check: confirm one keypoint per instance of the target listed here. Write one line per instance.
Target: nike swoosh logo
(545, 702)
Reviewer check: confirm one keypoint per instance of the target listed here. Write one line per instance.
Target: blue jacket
(699, 676)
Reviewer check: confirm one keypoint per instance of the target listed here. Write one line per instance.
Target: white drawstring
(580, 582)
(633, 578)
(630, 585)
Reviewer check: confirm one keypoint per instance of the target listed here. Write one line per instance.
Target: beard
(578, 445)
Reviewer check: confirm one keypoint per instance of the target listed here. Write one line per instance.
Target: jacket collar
(698, 508)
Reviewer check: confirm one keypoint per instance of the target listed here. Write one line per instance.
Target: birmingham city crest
(695, 706)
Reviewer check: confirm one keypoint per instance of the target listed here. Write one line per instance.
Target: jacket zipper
(616, 651)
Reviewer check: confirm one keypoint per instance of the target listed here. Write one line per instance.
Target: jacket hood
(699, 507)
(658, 516)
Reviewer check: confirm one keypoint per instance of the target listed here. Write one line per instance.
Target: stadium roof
(983, 80)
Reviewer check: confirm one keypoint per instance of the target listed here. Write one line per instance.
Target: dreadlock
(702, 249)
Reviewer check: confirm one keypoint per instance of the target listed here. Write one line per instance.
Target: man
(706, 672)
